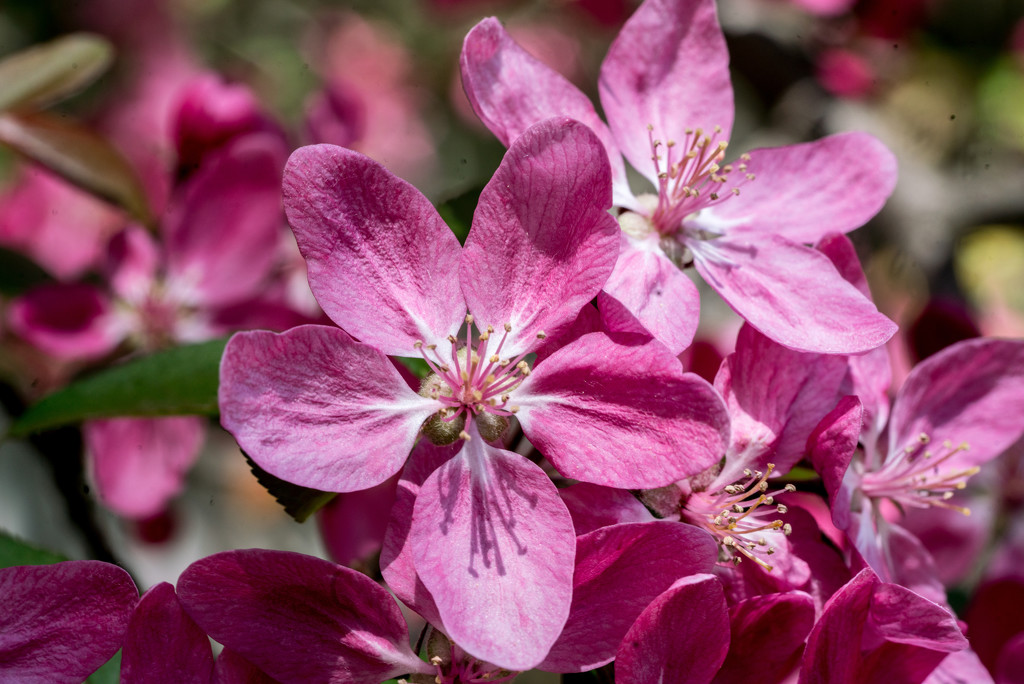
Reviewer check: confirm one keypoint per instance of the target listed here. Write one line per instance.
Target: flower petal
(791, 293)
(768, 630)
(163, 644)
(667, 69)
(542, 243)
(232, 668)
(619, 411)
(494, 545)
(299, 618)
(593, 506)
(381, 262)
(317, 409)
(831, 447)
(67, 321)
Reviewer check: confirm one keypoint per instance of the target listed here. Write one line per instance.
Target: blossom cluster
(560, 487)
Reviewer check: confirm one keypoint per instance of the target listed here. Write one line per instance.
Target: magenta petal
(781, 201)
(316, 408)
(494, 545)
(1010, 666)
(232, 668)
(667, 69)
(619, 571)
(381, 262)
(682, 637)
(352, 525)
(834, 646)
(791, 293)
(60, 622)
(163, 645)
(768, 630)
(299, 618)
(593, 506)
(221, 231)
(542, 243)
(511, 90)
(139, 464)
(831, 447)
(66, 321)
(647, 293)
(964, 667)
(622, 414)
(972, 392)
(901, 616)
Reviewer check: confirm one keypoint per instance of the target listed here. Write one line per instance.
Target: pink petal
(770, 631)
(619, 570)
(972, 392)
(830, 448)
(494, 545)
(222, 226)
(902, 617)
(511, 90)
(139, 464)
(587, 321)
(60, 622)
(593, 506)
(66, 321)
(647, 293)
(963, 667)
(353, 524)
(163, 644)
(682, 637)
(318, 409)
(833, 648)
(791, 293)
(232, 668)
(299, 618)
(381, 262)
(780, 200)
(668, 69)
(133, 260)
(620, 412)
(542, 243)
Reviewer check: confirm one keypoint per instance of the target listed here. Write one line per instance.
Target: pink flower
(665, 89)
(490, 538)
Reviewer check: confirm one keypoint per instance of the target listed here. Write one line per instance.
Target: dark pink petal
(620, 412)
(139, 464)
(353, 524)
(901, 616)
(67, 321)
(619, 570)
(222, 226)
(60, 622)
(1010, 666)
(833, 648)
(381, 262)
(667, 69)
(682, 637)
(232, 668)
(647, 293)
(854, 174)
(768, 634)
(972, 392)
(494, 546)
(511, 90)
(299, 618)
(163, 644)
(775, 397)
(593, 506)
(831, 447)
(318, 409)
(542, 243)
(791, 293)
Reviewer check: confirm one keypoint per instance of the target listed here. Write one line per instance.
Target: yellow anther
(508, 327)
(464, 436)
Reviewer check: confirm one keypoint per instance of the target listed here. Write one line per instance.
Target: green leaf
(298, 502)
(175, 382)
(44, 74)
(18, 273)
(109, 672)
(79, 156)
(14, 551)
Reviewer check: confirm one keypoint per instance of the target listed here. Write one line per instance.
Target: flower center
(468, 670)
(913, 476)
(738, 517)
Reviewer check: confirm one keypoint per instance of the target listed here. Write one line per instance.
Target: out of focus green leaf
(79, 156)
(175, 382)
(298, 502)
(18, 273)
(458, 211)
(44, 74)
(109, 672)
(14, 551)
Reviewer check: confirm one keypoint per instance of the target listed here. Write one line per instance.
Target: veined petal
(668, 69)
(542, 243)
(830, 448)
(620, 412)
(299, 618)
(67, 321)
(803, 192)
(163, 644)
(381, 262)
(494, 545)
(314, 407)
(791, 293)
(768, 634)
(647, 293)
(593, 506)
(511, 90)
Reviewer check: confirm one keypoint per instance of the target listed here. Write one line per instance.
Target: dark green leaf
(299, 502)
(44, 74)
(109, 672)
(457, 212)
(18, 273)
(178, 381)
(14, 551)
